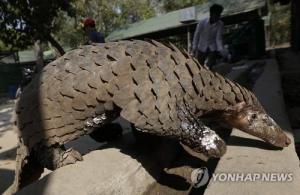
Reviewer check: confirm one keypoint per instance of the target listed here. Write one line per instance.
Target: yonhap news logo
(200, 177)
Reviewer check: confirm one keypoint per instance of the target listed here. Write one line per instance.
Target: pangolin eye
(254, 116)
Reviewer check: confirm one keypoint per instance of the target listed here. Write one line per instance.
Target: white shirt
(208, 36)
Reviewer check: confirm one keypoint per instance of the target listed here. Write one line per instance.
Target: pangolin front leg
(198, 136)
(203, 140)
(192, 132)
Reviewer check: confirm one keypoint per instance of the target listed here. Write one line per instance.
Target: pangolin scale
(156, 87)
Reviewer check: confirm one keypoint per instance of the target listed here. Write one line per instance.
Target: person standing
(208, 37)
(89, 28)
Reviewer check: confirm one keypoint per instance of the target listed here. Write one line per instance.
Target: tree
(280, 18)
(22, 22)
(108, 14)
(170, 5)
(113, 14)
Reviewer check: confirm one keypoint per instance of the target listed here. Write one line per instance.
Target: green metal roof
(27, 56)
(171, 20)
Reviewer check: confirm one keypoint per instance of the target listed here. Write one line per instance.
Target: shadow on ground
(247, 142)
(5, 116)
(6, 179)
(8, 154)
(166, 161)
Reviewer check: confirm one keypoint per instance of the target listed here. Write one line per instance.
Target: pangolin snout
(282, 141)
(287, 141)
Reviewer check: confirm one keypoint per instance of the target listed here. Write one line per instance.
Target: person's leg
(201, 56)
(211, 59)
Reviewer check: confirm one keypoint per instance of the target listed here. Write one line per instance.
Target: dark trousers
(208, 56)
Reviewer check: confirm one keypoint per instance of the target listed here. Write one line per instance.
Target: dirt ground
(8, 143)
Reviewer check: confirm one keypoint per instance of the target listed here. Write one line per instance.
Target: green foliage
(171, 5)
(280, 30)
(108, 14)
(67, 31)
(22, 21)
(3, 46)
(113, 14)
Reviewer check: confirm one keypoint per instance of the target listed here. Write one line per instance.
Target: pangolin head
(256, 122)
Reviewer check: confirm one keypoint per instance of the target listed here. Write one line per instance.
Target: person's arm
(219, 38)
(196, 36)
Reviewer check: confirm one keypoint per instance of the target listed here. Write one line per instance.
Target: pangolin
(158, 88)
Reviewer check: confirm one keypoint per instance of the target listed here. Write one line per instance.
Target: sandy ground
(8, 143)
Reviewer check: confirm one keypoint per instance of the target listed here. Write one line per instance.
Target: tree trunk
(55, 44)
(295, 41)
(39, 55)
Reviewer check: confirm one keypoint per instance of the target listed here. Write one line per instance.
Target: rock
(118, 168)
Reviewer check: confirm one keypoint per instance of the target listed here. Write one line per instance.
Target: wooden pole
(189, 45)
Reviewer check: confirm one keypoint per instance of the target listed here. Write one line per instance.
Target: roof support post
(189, 45)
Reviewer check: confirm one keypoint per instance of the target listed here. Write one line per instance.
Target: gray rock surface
(106, 171)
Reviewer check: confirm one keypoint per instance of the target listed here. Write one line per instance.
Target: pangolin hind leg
(57, 156)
